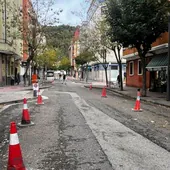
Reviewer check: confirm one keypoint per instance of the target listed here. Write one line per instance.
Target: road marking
(44, 97)
(124, 148)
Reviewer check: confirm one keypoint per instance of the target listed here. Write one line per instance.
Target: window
(139, 67)
(131, 68)
(114, 68)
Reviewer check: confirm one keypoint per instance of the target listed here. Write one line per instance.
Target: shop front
(158, 73)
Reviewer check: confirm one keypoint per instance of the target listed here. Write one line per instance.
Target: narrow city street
(77, 129)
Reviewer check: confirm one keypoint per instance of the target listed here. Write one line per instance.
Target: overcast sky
(70, 7)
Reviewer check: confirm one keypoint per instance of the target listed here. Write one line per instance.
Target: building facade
(74, 51)
(10, 44)
(95, 13)
(157, 61)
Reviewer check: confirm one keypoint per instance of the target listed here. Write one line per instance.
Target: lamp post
(168, 67)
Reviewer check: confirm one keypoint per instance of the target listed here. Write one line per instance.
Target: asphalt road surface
(77, 129)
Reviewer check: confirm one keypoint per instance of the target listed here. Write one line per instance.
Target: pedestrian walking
(64, 79)
(18, 78)
(118, 80)
(59, 76)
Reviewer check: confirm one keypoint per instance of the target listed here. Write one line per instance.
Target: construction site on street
(24, 118)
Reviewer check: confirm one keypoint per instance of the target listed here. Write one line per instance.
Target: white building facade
(96, 70)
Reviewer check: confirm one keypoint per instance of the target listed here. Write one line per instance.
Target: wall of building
(94, 15)
(135, 80)
(0, 68)
(98, 73)
(163, 39)
(131, 55)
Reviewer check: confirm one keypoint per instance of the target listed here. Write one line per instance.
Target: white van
(56, 74)
(50, 76)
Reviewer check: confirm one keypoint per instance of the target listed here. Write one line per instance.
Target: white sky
(74, 11)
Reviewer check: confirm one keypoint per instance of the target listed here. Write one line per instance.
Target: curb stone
(126, 95)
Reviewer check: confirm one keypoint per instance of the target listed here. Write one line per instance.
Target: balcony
(7, 47)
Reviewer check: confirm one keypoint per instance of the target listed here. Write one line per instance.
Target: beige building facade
(10, 40)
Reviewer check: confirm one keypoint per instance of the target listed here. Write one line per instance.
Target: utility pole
(168, 67)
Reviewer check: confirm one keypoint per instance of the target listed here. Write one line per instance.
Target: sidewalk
(16, 93)
(152, 97)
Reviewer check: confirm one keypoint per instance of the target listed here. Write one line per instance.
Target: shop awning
(158, 63)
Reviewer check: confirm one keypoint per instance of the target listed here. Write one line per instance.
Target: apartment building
(95, 13)
(74, 51)
(157, 62)
(10, 44)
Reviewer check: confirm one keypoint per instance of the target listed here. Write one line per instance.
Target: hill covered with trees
(60, 37)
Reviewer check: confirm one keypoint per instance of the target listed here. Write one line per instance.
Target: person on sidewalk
(18, 78)
(64, 79)
(59, 76)
(118, 80)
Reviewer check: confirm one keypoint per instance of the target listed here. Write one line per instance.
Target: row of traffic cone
(15, 160)
(137, 103)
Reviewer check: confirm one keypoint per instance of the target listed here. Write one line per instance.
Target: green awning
(158, 63)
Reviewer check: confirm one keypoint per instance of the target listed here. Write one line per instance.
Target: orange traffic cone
(137, 104)
(39, 98)
(15, 160)
(25, 116)
(90, 87)
(104, 92)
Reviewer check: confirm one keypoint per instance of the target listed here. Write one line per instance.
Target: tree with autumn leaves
(52, 59)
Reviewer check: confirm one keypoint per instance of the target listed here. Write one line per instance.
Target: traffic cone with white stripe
(25, 116)
(15, 160)
(137, 104)
(39, 99)
(104, 92)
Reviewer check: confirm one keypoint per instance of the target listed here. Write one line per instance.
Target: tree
(92, 40)
(48, 59)
(107, 42)
(111, 45)
(84, 58)
(64, 64)
(60, 37)
(137, 24)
